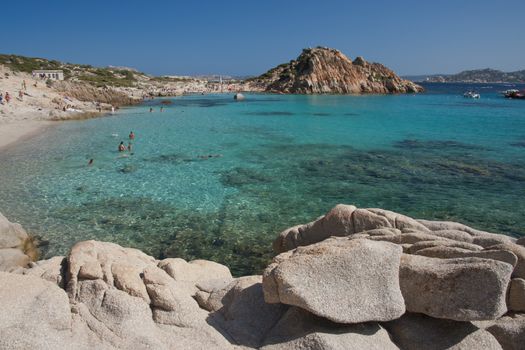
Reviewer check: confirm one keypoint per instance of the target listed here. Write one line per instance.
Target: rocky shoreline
(352, 279)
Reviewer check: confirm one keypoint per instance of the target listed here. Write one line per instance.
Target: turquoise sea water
(216, 179)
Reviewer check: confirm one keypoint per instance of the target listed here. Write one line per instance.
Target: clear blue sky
(250, 36)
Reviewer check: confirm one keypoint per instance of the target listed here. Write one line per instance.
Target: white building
(48, 74)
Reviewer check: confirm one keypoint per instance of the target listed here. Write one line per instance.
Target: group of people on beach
(21, 93)
(7, 98)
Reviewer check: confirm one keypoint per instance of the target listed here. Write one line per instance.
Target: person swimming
(150, 109)
(121, 147)
(131, 135)
(91, 162)
(130, 146)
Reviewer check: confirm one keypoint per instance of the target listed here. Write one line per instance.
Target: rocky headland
(352, 279)
(324, 70)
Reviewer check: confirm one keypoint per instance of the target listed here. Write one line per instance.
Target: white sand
(40, 104)
(19, 131)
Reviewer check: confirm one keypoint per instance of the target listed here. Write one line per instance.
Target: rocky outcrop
(517, 295)
(323, 70)
(36, 314)
(463, 289)
(352, 279)
(239, 308)
(415, 332)
(299, 329)
(17, 249)
(89, 93)
(359, 283)
(509, 331)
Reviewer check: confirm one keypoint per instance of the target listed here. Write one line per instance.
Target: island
(323, 70)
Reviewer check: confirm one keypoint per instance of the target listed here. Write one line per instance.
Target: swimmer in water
(90, 163)
(131, 135)
(121, 147)
(161, 109)
(150, 109)
(130, 147)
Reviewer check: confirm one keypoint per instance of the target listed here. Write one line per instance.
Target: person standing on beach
(1, 99)
(24, 86)
(7, 97)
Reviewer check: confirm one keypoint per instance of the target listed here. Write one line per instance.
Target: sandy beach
(33, 105)
(14, 132)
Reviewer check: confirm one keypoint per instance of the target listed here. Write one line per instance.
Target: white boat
(471, 94)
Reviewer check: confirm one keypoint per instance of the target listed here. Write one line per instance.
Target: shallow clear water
(215, 179)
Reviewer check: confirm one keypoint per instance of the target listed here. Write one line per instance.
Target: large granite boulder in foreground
(416, 332)
(346, 281)
(16, 247)
(509, 331)
(463, 289)
(299, 329)
(36, 314)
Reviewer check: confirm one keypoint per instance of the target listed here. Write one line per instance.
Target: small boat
(471, 94)
(515, 94)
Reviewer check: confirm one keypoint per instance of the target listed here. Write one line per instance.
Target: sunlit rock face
(328, 71)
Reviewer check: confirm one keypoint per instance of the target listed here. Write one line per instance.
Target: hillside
(99, 77)
(480, 76)
(123, 79)
(323, 70)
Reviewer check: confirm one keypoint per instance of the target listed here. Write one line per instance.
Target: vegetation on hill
(95, 76)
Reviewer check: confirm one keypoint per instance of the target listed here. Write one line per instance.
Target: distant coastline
(483, 76)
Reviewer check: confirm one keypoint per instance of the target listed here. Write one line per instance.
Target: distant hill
(323, 70)
(479, 76)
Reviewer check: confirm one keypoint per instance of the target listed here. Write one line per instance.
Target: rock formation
(352, 279)
(16, 247)
(328, 71)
